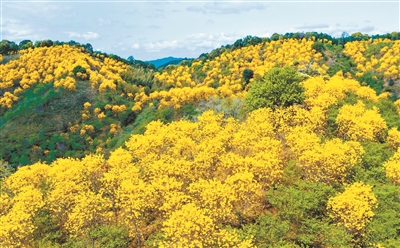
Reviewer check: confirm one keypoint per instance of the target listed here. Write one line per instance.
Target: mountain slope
(122, 156)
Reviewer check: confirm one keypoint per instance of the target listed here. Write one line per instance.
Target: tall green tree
(280, 87)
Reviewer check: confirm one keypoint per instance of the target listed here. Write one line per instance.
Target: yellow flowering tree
(392, 167)
(357, 123)
(353, 208)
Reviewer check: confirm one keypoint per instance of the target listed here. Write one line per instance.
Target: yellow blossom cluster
(393, 138)
(224, 74)
(326, 162)
(392, 167)
(355, 122)
(353, 208)
(182, 179)
(397, 105)
(86, 129)
(8, 99)
(73, 128)
(87, 105)
(188, 181)
(115, 128)
(386, 62)
(175, 97)
(56, 64)
(323, 93)
(118, 108)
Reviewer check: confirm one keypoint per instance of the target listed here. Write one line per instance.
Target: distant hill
(164, 61)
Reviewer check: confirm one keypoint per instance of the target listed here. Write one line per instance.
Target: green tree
(300, 218)
(46, 43)
(247, 75)
(279, 87)
(7, 47)
(25, 44)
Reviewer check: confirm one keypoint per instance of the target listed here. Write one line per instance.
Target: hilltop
(165, 61)
(289, 141)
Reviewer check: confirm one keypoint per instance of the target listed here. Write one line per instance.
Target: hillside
(280, 142)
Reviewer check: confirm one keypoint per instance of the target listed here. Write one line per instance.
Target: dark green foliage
(188, 112)
(388, 112)
(25, 44)
(296, 217)
(275, 36)
(150, 114)
(5, 170)
(110, 236)
(359, 36)
(46, 43)
(368, 79)
(318, 46)
(375, 154)
(385, 226)
(127, 117)
(199, 74)
(247, 41)
(138, 76)
(47, 233)
(391, 82)
(371, 171)
(342, 63)
(77, 69)
(247, 75)
(7, 47)
(107, 236)
(279, 87)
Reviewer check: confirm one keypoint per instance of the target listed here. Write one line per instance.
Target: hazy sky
(155, 29)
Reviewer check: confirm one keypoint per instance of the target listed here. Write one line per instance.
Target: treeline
(254, 40)
(10, 47)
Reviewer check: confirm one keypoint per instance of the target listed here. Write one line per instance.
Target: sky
(155, 29)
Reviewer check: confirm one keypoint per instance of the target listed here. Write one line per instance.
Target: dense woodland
(286, 141)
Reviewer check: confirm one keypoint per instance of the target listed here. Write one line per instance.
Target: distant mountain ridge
(165, 61)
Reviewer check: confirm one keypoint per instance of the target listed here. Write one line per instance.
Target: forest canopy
(286, 141)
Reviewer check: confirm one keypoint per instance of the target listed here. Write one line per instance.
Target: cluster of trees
(231, 72)
(162, 94)
(292, 175)
(254, 40)
(42, 96)
(343, 39)
(9, 47)
(378, 63)
(298, 151)
(61, 65)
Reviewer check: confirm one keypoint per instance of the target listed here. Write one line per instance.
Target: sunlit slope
(80, 102)
(381, 56)
(64, 101)
(223, 75)
(375, 64)
(321, 174)
(64, 65)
